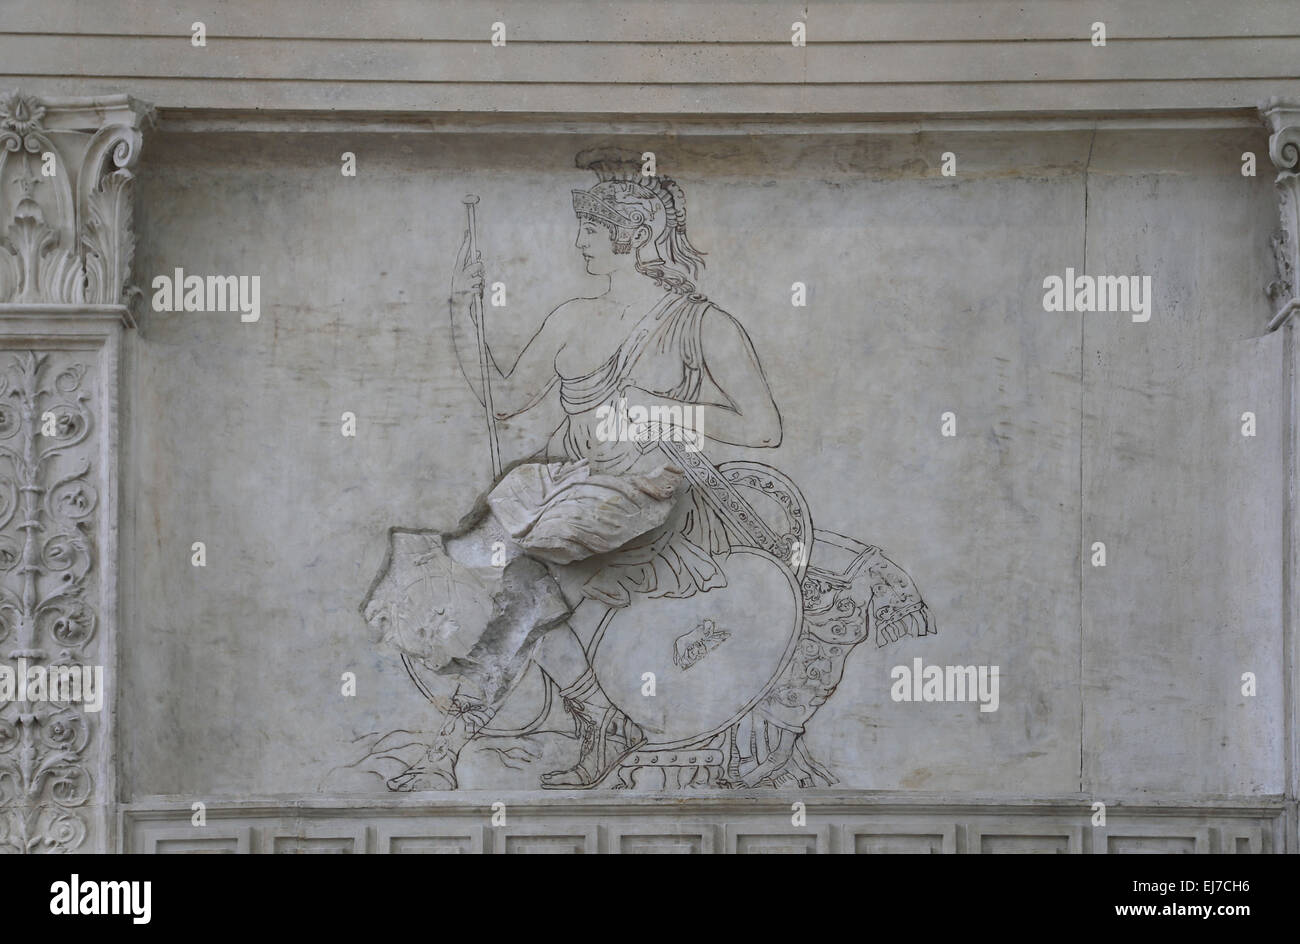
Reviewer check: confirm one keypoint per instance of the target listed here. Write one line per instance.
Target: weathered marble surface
(662, 57)
(924, 297)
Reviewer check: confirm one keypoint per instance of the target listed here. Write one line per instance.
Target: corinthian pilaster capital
(1284, 149)
(65, 199)
(65, 261)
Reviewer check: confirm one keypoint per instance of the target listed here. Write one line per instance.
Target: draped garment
(618, 510)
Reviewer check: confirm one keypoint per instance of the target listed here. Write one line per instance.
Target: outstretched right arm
(532, 375)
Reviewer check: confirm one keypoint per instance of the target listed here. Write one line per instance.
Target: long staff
(476, 310)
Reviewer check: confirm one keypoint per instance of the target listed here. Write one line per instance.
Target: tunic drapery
(612, 496)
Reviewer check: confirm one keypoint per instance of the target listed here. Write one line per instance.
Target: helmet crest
(645, 212)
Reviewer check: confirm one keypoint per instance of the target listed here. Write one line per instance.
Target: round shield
(713, 655)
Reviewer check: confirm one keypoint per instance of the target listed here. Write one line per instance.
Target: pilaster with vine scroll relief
(66, 246)
(47, 512)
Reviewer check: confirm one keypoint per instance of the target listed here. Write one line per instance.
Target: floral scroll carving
(48, 508)
(67, 171)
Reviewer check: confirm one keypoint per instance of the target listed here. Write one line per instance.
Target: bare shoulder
(719, 328)
(714, 315)
(567, 315)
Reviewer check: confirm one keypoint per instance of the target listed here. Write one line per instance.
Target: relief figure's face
(597, 247)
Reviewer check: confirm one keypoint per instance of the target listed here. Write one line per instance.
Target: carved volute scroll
(1284, 149)
(66, 176)
(65, 199)
(48, 617)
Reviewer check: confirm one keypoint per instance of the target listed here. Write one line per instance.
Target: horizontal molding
(208, 121)
(884, 100)
(664, 21)
(729, 823)
(566, 801)
(575, 62)
(48, 315)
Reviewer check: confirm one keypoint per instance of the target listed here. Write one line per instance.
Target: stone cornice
(334, 121)
(66, 180)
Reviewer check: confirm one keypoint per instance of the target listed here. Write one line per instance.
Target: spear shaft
(476, 311)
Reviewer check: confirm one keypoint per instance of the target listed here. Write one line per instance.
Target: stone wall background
(925, 296)
(819, 164)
